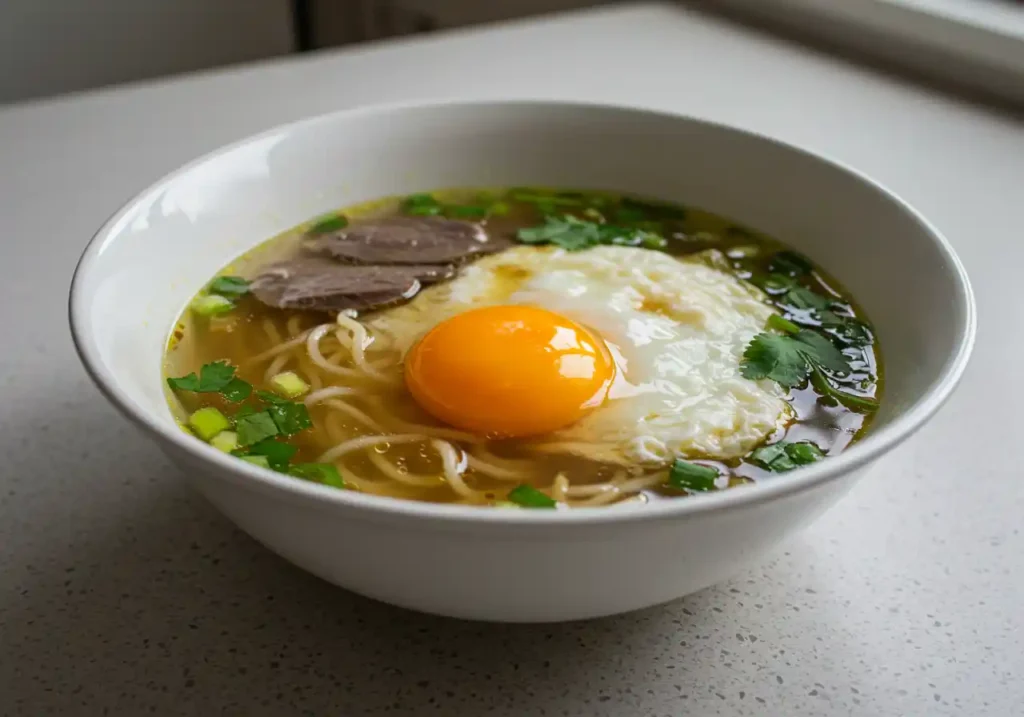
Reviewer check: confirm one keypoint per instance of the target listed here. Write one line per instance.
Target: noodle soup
(524, 348)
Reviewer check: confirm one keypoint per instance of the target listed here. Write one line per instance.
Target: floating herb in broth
(243, 378)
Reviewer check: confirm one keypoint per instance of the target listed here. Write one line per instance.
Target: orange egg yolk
(508, 371)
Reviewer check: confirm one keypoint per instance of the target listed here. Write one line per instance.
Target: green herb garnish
(466, 212)
(692, 477)
(800, 297)
(849, 330)
(651, 209)
(574, 234)
(236, 390)
(277, 453)
(567, 232)
(527, 496)
(788, 358)
(229, 286)
(328, 223)
(857, 403)
(217, 377)
(290, 418)
(543, 198)
(325, 473)
(421, 205)
(784, 456)
(212, 378)
(789, 263)
(268, 397)
(255, 427)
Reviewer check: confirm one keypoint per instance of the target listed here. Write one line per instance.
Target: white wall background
(52, 46)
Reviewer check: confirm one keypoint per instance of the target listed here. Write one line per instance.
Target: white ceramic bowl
(145, 264)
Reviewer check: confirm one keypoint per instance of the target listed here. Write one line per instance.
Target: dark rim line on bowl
(872, 445)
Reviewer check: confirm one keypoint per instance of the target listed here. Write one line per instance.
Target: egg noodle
(351, 373)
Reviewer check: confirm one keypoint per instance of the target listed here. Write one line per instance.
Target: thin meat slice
(408, 240)
(319, 284)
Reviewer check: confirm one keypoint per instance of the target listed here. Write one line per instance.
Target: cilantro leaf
(255, 427)
(775, 357)
(692, 477)
(527, 496)
(184, 383)
(851, 331)
(789, 263)
(775, 283)
(800, 297)
(236, 390)
(325, 473)
(822, 352)
(290, 418)
(229, 286)
(268, 397)
(213, 377)
(567, 232)
(649, 209)
(277, 453)
(573, 234)
(788, 359)
(785, 456)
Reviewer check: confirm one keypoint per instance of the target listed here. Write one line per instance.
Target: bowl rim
(248, 476)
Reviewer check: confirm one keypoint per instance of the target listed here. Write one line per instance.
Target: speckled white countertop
(123, 593)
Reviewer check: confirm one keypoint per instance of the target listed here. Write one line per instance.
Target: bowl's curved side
(515, 575)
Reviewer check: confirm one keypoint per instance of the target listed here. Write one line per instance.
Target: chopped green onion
(773, 458)
(692, 476)
(211, 305)
(226, 441)
(260, 461)
(857, 403)
(325, 473)
(328, 223)
(288, 383)
(229, 286)
(208, 422)
(804, 453)
(526, 496)
(784, 456)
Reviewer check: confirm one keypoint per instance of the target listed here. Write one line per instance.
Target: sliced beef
(408, 240)
(321, 284)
